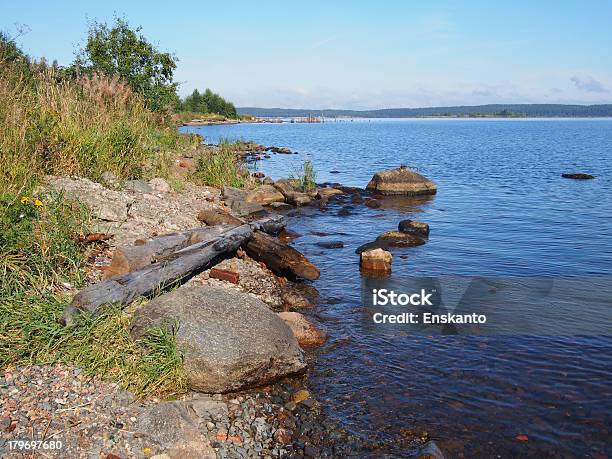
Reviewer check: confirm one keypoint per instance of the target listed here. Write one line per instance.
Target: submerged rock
(430, 451)
(414, 227)
(304, 331)
(356, 198)
(331, 244)
(376, 261)
(229, 339)
(399, 239)
(401, 181)
(373, 203)
(578, 176)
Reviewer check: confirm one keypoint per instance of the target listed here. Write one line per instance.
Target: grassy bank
(84, 126)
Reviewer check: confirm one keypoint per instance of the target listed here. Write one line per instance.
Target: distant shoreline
(464, 111)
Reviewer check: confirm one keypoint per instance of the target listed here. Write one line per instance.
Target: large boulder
(229, 339)
(236, 199)
(401, 181)
(265, 194)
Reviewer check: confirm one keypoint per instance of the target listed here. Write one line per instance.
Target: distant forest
(476, 111)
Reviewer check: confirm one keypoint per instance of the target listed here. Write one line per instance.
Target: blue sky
(357, 54)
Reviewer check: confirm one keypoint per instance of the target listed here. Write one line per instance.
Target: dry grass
(97, 124)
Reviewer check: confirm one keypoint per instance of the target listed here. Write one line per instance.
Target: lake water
(501, 210)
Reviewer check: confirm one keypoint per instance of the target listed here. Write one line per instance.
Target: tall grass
(222, 167)
(306, 177)
(50, 125)
(41, 256)
(84, 127)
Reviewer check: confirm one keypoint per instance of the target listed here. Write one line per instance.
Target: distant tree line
(492, 110)
(208, 102)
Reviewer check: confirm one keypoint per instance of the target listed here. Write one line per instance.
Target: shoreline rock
(578, 176)
(376, 262)
(401, 181)
(230, 340)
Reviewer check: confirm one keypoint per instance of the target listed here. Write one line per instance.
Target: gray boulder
(235, 198)
(229, 339)
(173, 427)
(401, 181)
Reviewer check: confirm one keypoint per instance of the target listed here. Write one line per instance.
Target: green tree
(124, 51)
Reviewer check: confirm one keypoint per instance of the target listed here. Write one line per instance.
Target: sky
(354, 54)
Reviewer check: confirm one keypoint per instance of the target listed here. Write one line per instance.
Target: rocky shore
(246, 330)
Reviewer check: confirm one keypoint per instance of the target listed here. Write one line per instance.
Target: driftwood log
(147, 251)
(279, 257)
(122, 290)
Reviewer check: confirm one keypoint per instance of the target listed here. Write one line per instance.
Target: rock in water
(305, 332)
(229, 339)
(414, 227)
(401, 181)
(430, 451)
(377, 261)
(578, 176)
(399, 239)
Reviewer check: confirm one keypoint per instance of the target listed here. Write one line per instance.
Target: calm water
(502, 209)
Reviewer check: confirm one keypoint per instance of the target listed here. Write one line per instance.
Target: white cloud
(588, 83)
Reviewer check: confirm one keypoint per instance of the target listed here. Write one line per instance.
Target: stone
(279, 206)
(160, 185)
(376, 261)
(229, 339)
(215, 217)
(305, 332)
(328, 192)
(105, 204)
(210, 409)
(231, 193)
(138, 186)
(300, 396)
(268, 180)
(293, 299)
(285, 186)
(378, 244)
(246, 209)
(430, 451)
(414, 227)
(331, 244)
(373, 203)
(356, 198)
(400, 239)
(286, 235)
(299, 199)
(401, 181)
(171, 426)
(265, 194)
(345, 211)
(578, 176)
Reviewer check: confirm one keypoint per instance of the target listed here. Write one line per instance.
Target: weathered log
(279, 257)
(147, 251)
(122, 290)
